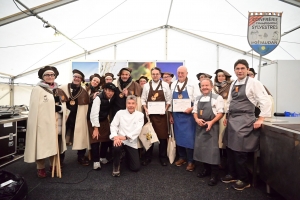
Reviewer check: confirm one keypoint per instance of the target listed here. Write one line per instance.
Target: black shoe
(146, 162)
(203, 173)
(213, 180)
(228, 179)
(83, 161)
(240, 185)
(163, 162)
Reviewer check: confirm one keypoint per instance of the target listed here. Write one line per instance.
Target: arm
(94, 117)
(219, 105)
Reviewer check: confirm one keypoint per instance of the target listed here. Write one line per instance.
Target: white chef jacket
(216, 104)
(256, 94)
(164, 86)
(192, 90)
(126, 124)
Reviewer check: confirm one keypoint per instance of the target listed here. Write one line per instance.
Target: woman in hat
(222, 84)
(46, 121)
(200, 76)
(142, 80)
(167, 77)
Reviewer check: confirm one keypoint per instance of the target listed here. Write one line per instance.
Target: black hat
(221, 70)
(110, 74)
(95, 75)
(169, 73)
(79, 72)
(125, 68)
(199, 74)
(142, 77)
(252, 70)
(110, 86)
(46, 68)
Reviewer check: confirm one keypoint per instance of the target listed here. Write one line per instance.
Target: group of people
(209, 119)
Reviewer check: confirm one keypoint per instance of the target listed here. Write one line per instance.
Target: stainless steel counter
(14, 119)
(280, 157)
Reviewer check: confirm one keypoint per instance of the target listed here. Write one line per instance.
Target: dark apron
(241, 136)
(159, 122)
(184, 125)
(206, 143)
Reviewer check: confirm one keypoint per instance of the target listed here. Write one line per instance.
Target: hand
(209, 125)
(146, 111)
(95, 94)
(257, 124)
(200, 122)
(171, 119)
(225, 122)
(95, 133)
(188, 110)
(117, 141)
(125, 92)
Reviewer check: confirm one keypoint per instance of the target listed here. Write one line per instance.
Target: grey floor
(151, 182)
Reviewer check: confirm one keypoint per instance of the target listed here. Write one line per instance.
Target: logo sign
(264, 31)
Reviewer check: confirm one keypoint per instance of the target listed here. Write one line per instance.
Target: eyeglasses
(49, 75)
(155, 74)
(166, 76)
(77, 77)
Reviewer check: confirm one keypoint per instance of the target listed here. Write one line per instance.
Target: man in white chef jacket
(125, 129)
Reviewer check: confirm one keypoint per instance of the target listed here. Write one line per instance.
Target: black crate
(8, 138)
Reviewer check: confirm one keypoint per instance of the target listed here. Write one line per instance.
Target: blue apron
(184, 125)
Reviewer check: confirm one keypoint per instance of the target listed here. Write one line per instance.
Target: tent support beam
(46, 22)
(214, 42)
(218, 63)
(37, 9)
(93, 51)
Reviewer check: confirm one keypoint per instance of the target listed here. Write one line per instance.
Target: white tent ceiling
(26, 45)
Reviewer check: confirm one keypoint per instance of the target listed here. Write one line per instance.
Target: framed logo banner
(264, 31)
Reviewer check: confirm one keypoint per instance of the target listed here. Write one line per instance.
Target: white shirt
(216, 104)
(164, 86)
(126, 124)
(256, 94)
(192, 90)
(94, 116)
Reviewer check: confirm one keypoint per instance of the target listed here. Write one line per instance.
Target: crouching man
(125, 129)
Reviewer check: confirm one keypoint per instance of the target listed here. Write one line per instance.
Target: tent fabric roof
(26, 45)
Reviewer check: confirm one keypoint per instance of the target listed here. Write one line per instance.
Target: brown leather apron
(159, 122)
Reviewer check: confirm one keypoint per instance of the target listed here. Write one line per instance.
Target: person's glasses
(155, 74)
(166, 76)
(49, 75)
(77, 77)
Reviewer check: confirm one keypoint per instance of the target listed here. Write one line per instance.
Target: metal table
(280, 158)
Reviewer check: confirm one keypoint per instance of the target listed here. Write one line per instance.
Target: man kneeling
(125, 129)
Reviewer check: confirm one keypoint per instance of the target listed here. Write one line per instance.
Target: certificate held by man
(156, 107)
(180, 105)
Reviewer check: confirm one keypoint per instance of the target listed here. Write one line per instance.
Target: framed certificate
(156, 107)
(180, 105)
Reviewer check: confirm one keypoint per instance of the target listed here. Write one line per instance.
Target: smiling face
(221, 77)
(95, 82)
(130, 105)
(49, 77)
(77, 78)
(206, 86)
(240, 71)
(142, 82)
(109, 93)
(125, 75)
(250, 74)
(108, 79)
(167, 78)
(155, 74)
(182, 73)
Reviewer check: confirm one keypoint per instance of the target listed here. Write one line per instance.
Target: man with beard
(125, 87)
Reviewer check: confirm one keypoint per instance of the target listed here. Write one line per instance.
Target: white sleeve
(145, 92)
(263, 100)
(167, 94)
(220, 104)
(195, 107)
(114, 126)
(94, 116)
(229, 98)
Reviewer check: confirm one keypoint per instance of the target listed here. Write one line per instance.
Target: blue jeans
(186, 154)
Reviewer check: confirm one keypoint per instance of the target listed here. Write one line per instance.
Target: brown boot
(190, 167)
(180, 162)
